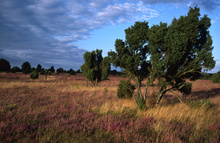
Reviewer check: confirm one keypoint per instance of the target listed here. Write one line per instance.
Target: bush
(125, 89)
(216, 77)
(34, 75)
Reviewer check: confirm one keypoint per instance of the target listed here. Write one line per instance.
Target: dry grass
(118, 107)
(65, 99)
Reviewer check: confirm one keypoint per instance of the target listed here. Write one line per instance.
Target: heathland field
(62, 109)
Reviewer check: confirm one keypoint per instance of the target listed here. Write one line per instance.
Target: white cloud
(39, 30)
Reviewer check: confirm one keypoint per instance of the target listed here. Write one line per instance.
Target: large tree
(4, 65)
(131, 54)
(95, 69)
(179, 51)
(26, 67)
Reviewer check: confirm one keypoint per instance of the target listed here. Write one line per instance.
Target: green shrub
(141, 103)
(34, 75)
(125, 89)
(216, 77)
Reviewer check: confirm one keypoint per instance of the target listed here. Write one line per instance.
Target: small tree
(4, 65)
(95, 69)
(26, 67)
(180, 50)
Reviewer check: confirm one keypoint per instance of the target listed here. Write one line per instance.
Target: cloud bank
(45, 31)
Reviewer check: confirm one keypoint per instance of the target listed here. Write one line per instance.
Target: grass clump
(125, 89)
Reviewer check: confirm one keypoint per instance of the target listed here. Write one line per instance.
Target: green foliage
(197, 104)
(105, 66)
(26, 68)
(34, 74)
(125, 89)
(141, 104)
(95, 67)
(216, 77)
(4, 65)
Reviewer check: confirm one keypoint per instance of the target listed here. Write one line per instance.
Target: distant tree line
(27, 69)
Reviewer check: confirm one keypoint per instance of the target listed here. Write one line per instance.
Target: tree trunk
(159, 97)
(145, 91)
(161, 94)
(139, 94)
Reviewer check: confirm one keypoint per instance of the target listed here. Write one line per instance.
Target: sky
(58, 32)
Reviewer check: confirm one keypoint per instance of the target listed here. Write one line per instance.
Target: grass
(63, 109)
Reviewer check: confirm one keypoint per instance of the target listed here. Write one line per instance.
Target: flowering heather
(63, 109)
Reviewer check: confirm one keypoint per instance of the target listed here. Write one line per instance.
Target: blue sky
(58, 32)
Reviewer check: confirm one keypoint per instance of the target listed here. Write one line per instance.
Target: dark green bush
(216, 77)
(34, 75)
(125, 89)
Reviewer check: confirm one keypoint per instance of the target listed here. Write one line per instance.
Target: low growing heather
(63, 109)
